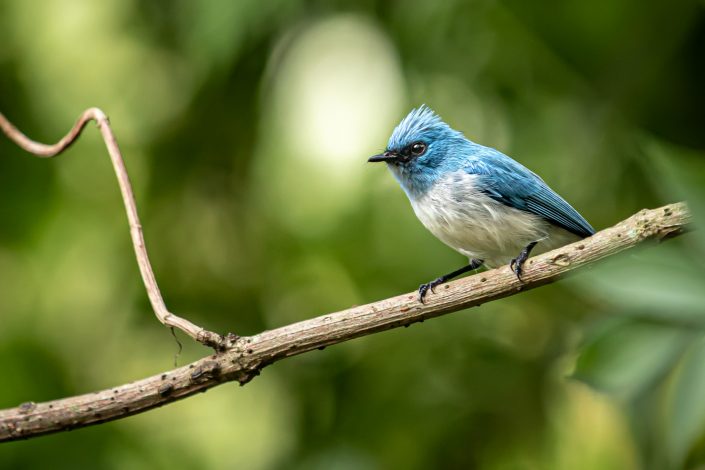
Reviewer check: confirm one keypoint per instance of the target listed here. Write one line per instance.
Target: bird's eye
(418, 148)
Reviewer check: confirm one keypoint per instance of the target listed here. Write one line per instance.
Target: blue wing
(510, 183)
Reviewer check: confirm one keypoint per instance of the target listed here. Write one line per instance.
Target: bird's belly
(479, 227)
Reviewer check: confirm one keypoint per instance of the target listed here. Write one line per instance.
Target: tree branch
(246, 356)
(201, 335)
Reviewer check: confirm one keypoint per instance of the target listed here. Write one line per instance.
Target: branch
(201, 335)
(246, 357)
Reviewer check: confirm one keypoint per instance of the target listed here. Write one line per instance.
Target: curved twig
(201, 335)
(248, 355)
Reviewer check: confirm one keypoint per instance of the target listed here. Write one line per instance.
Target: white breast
(479, 227)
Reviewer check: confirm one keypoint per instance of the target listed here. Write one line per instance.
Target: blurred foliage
(246, 126)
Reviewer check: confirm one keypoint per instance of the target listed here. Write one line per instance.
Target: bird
(475, 199)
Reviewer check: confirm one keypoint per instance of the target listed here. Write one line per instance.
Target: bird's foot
(517, 264)
(424, 288)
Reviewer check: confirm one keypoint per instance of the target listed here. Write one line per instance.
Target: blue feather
(512, 184)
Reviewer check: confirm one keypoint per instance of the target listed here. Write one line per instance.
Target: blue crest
(420, 124)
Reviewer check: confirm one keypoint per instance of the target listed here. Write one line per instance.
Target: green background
(246, 126)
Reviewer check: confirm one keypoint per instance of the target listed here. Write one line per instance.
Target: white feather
(477, 226)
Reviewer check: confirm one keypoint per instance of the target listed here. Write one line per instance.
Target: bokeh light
(336, 88)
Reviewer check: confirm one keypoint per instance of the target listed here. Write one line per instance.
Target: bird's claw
(516, 266)
(424, 288)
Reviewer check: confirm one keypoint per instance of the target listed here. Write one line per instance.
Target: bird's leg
(424, 288)
(517, 263)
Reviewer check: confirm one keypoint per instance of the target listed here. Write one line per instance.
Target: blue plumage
(474, 198)
(510, 183)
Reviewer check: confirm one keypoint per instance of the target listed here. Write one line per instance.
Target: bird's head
(421, 148)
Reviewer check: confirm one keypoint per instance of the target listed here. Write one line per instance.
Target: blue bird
(475, 199)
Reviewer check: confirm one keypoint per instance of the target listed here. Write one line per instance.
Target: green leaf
(685, 418)
(663, 284)
(629, 357)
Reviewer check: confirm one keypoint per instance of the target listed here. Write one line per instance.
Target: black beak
(383, 157)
